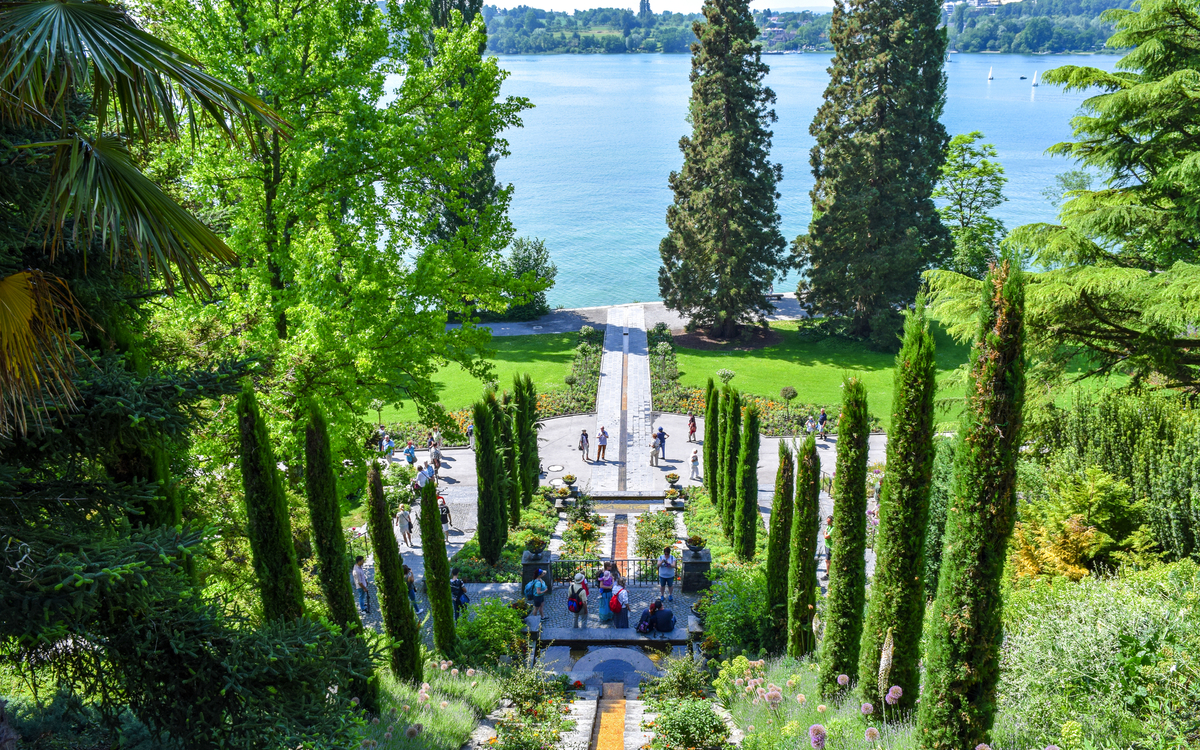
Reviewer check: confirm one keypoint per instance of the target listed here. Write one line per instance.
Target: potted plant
(536, 545)
(569, 479)
(672, 479)
(695, 543)
(562, 492)
(673, 495)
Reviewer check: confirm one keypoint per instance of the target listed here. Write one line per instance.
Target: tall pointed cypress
(723, 248)
(509, 431)
(320, 484)
(437, 572)
(963, 654)
(721, 480)
(527, 437)
(879, 147)
(802, 574)
(712, 440)
(502, 434)
(399, 619)
(268, 524)
(778, 541)
(490, 480)
(747, 520)
(848, 568)
(733, 444)
(897, 606)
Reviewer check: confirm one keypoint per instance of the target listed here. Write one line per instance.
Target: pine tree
(733, 442)
(897, 606)
(848, 568)
(723, 248)
(530, 462)
(399, 619)
(513, 466)
(802, 574)
(778, 543)
(879, 148)
(320, 484)
(712, 440)
(437, 573)
(747, 518)
(963, 654)
(268, 524)
(490, 478)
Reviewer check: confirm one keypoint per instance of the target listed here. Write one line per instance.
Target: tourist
(810, 426)
(601, 444)
(583, 445)
(437, 438)
(577, 596)
(471, 436)
(410, 452)
(444, 512)
(821, 420)
(535, 592)
(458, 593)
(662, 442)
(410, 580)
(605, 583)
(405, 524)
(666, 574)
(428, 441)
(695, 462)
(828, 542)
(435, 454)
(691, 427)
(653, 451)
(422, 478)
(389, 447)
(620, 617)
(360, 585)
(656, 619)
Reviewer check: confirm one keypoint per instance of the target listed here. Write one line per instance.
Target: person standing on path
(410, 580)
(435, 454)
(662, 442)
(405, 522)
(437, 438)
(536, 590)
(360, 585)
(471, 436)
(691, 427)
(458, 592)
(410, 453)
(605, 583)
(583, 446)
(577, 596)
(695, 461)
(653, 450)
(821, 420)
(621, 616)
(447, 522)
(666, 574)
(601, 444)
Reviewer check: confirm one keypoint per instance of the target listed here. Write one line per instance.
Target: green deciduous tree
(747, 519)
(963, 655)
(399, 619)
(879, 147)
(268, 524)
(802, 571)
(972, 184)
(437, 573)
(723, 248)
(779, 542)
(529, 258)
(848, 567)
(712, 439)
(897, 608)
(489, 473)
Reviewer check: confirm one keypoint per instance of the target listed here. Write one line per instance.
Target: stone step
(583, 714)
(635, 714)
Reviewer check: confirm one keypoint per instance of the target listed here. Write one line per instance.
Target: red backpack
(614, 604)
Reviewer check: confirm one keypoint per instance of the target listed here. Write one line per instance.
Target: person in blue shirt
(662, 443)
(410, 453)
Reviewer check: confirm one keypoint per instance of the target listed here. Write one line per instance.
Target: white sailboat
(989, 74)
(1035, 79)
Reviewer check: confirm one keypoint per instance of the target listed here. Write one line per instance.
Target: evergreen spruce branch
(802, 570)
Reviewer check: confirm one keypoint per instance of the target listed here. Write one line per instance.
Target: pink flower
(843, 680)
(983, 746)
(470, 673)
(750, 728)
(871, 735)
(816, 736)
(867, 709)
(354, 701)
(800, 698)
(375, 721)
(445, 703)
(821, 708)
(474, 683)
(739, 682)
(387, 735)
(454, 673)
(791, 683)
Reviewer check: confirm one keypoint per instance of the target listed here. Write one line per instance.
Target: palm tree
(55, 54)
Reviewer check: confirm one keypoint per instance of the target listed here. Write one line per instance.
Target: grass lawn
(546, 357)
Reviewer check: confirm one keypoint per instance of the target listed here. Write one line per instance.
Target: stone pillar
(695, 570)
(529, 569)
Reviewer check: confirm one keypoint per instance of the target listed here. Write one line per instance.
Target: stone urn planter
(695, 544)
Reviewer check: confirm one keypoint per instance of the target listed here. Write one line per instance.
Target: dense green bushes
(700, 515)
(537, 522)
(492, 630)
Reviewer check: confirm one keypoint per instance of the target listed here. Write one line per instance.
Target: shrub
(736, 611)
(701, 513)
(679, 678)
(689, 724)
(654, 531)
(538, 520)
(489, 633)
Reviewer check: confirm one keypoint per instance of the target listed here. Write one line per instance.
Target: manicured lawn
(546, 357)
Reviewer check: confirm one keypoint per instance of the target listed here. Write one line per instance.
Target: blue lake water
(590, 165)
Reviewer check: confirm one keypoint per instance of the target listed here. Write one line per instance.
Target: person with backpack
(577, 596)
(666, 574)
(458, 593)
(410, 453)
(605, 583)
(656, 619)
(619, 604)
(535, 592)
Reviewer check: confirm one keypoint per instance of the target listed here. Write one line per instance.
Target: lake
(590, 165)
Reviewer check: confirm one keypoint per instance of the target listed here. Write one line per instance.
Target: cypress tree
(879, 148)
(513, 465)
(530, 460)
(778, 549)
(489, 476)
(723, 248)
(802, 573)
(502, 435)
(320, 484)
(747, 520)
(897, 604)
(963, 654)
(268, 524)
(399, 620)
(712, 440)
(722, 475)
(437, 573)
(733, 442)
(848, 568)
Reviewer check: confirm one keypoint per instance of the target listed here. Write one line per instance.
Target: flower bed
(581, 541)
(654, 531)
(539, 707)
(439, 714)
(700, 513)
(537, 522)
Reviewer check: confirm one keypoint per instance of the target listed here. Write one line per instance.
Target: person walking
(621, 612)
(821, 420)
(691, 427)
(437, 438)
(662, 442)
(359, 575)
(577, 596)
(583, 446)
(410, 453)
(410, 580)
(447, 521)
(435, 454)
(601, 444)
(695, 462)
(404, 522)
(605, 583)
(458, 592)
(666, 574)
(535, 591)
(471, 436)
(810, 426)
(653, 451)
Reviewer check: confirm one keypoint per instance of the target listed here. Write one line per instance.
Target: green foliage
(747, 518)
(506, 427)
(469, 696)
(528, 258)
(731, 449)
(1033, 26)
(538, 520)
(879, 145)
(537, 718)
(269, 527)
(721, 253)
(437, 572)
(963, 651)
(847, 568)
(399, 619)
(712, 441)
(493, 630)
(525, 30)
(940, 493)
(489, 469)
(736, 612)
(701, 513)
(779, 549)
(688, 724)
(655, 531)
(802, 561)
(896, 611)
(526, 433)
(678, 678)
(971, 185)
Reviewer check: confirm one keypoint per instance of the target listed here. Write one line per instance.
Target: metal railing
(635, 571)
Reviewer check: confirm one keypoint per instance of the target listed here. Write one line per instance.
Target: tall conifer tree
(399, 619)
(502, 434)
(897, 606)
(879, 147)
(712, 440)
(802, 574)
(848, 568)
(513, 467)
(962, 662)
(723, 248)
(721, 478)
(733, 445)
(778, 542)
(268, 524)
(746, 509)
(530, 461)
(437, 572)
(489, 473)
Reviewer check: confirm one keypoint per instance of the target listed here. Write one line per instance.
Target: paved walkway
(623, 403)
